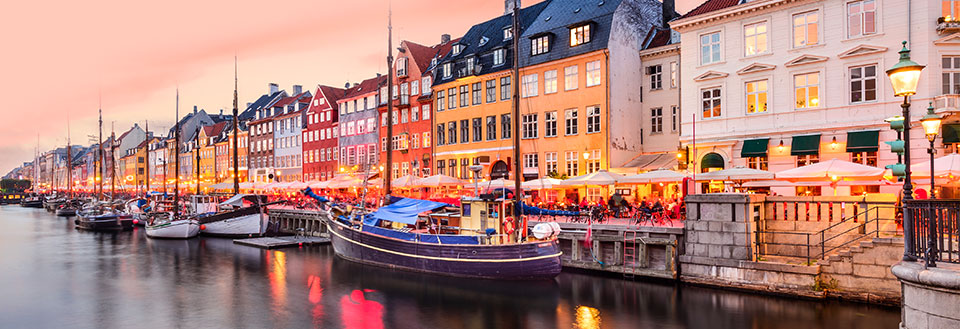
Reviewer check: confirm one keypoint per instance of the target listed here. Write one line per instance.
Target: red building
(320, 135)
(412, 112)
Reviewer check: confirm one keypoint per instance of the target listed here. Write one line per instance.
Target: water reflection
(54, 276)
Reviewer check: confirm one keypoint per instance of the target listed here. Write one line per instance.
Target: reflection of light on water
(360, 312)
(278, 278)
(315, 297)
(588, 317)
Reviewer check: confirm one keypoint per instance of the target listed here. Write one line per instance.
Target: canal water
(52, 276)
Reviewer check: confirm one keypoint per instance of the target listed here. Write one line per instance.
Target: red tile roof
(214, 129)
(657, 37)
(365, 87)
(332, 94)
(710, 6)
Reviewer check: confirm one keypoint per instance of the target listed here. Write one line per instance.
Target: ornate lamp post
(904, 77)
(931, 127)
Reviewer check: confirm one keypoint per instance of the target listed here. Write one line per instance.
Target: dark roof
(367, 86)
(557, 19)
(264, 101)
(709, 6)
(657, 37)
(492, 32)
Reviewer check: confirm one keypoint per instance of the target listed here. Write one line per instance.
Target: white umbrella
(297, 186)
(319, 185)
(439, 180)
(945, 166)
(376, 182)
(831, 170)
(405, 181)
(656, 176)
(246, 185)
(736, 174)
(601, 177)
(497, 183)
(222, 186)
(344, 181)
(540, 183)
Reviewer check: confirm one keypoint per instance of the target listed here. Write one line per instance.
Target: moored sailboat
(169, 223)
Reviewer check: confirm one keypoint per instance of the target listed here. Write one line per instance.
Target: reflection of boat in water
(471, 244)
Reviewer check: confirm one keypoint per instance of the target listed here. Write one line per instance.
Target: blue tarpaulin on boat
(390, 233)
(405, 210)
(531, 210)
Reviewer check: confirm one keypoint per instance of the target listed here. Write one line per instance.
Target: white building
(801, 81)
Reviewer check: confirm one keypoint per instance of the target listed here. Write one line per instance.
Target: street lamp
(904, 77)
(931, 127)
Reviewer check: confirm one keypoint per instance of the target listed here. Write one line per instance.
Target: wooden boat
(33, 201)
(169, 226)
(471, 250)
(68, 208)
(103, 220)
(243, 215)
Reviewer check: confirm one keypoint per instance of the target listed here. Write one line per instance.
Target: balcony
(948, 24)
(402, 101)
(947, 103)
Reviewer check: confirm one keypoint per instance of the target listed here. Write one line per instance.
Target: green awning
(805, 145)
(711, 160)
(862, 141)
(754, 148)
(951, 133)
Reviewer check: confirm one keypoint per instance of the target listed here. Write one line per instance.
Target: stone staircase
(866, 263)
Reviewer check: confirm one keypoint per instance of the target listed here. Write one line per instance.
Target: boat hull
(67, 212)
(178, 229)
(240, 223)
(32, 204)
(526, 261)
(99, 223)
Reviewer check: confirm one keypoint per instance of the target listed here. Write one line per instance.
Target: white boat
(242, 215)
(166, 227)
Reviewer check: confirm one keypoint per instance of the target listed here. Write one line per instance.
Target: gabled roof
(365, 87)
(214, 129)
(657, 37)
(439, 51)
(331, 94)
(710, 6)
(264, 101)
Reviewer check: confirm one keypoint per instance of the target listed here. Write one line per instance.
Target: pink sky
(59, 56)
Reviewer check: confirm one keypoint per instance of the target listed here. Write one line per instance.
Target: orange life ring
(508, 226)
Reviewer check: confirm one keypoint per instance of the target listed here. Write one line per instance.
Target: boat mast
(69, 162)
(196, 146)
(113, 162)
(100, 152)
(176, 153)
(517, 194)
(236, 131)
(389, 167)
(146, 147)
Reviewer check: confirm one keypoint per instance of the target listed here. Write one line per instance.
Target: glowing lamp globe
(905, 75)
(931, 123)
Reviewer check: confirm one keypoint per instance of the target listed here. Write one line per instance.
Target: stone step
(856, 249)
(866, 244)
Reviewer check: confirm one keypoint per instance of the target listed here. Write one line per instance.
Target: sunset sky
(59, 56)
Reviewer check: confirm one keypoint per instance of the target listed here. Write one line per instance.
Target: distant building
(358, 135)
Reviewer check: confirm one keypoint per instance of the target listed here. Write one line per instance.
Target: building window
(674, 118)
(414, 87)
(572, 163)
(529, 122)
(476, 93)
(440, 97)
(755, 38)
(759, 163)
(540, 45)
(451, 133)
(674, 74)
(530, 161)
(570, 122)
(491, 91)
(530, 84)
(452, 98)
(656, 77)
(491, 127)
(710, 98)
(950, 8)
(550, 82)
(757, 96)
(426, 112)
(464, 96)
(593, 161)
(656, 120)
(477, 130)
(803, 160)
(401, 67)
(505, 92)
(593, 119)
(864, 158)
(807, 90)
(863, 84)
(441, 167)
(464, 131)
(452, 163)
(426, 139)
(861, 18)
(507, 33)
(404, 116)
(426, 84)
(499, 56)
(457, 49)
(470, 65)
(579, 35)
(414, 115)
(593, 73)
(550, 163)
(550, 124)
(951, 74)
(806, 29)
(570, 77)
(709, 48)
(505, 128)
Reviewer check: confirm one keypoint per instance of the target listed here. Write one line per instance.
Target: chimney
(669, 8)
(194, 110)
(221, 112)
(508, 6)
(297, 89)
(444, 38)
(355, 84)
(346, 85)
(274, 88)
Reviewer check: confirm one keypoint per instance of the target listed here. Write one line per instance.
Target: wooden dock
(282, 241)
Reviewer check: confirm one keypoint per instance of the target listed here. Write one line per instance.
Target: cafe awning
(862, 141)
(648, 162)
(805, 145)
(754, 147)
(951, 133)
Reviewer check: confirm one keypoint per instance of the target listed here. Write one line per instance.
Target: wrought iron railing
(818, 245)
(934, 230)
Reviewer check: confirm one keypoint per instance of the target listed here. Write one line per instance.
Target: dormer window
(401, 67)
(457, 49)
(447, 70)
(498, 56)
(508, 33)
(540, 45)
(433, 62)
(470, 65)
(579, 35)
(483, 41)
